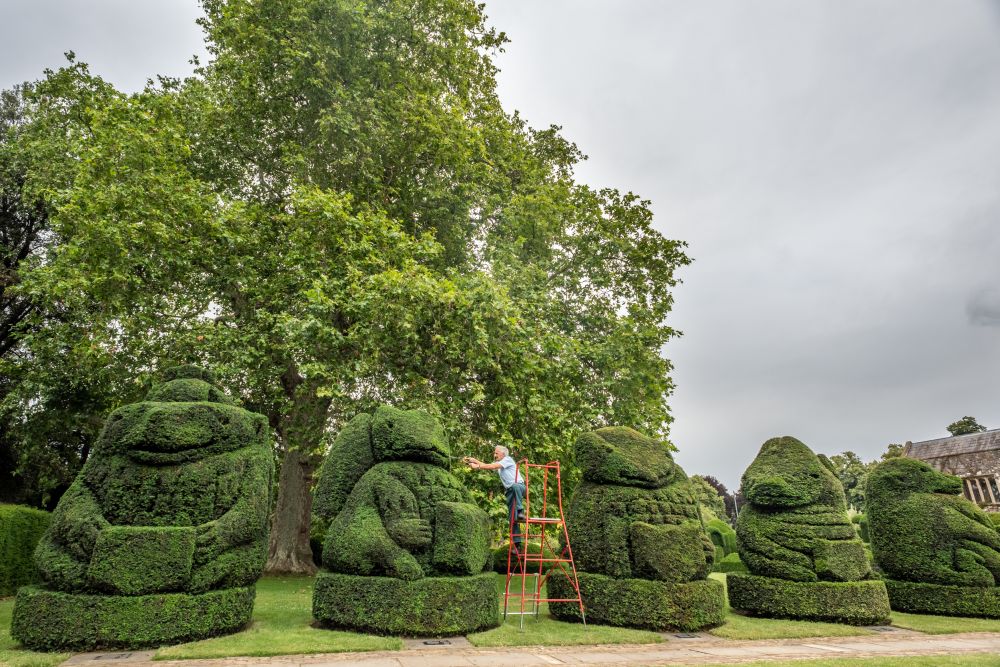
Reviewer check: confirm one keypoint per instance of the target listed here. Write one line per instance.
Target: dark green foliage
(619, 455)
(730, 563)
(174, 499)
(641, 603)
(49, 620)
(499, 558)
(922, 531)
(408, 435)
(994, 518)
(635, 527)
(917, 598)
(138, 560)
(722, 535)
(188, 372)
(187, 390)
(20, 530)
(853, 603)
(432, 606)
(861, 521)
(795, 526)
(349, 458)
(406, 521)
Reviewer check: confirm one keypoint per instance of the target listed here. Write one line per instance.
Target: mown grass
(944, 625)
(13, 657)
(282, 618)
(965, 660)
(738, 626)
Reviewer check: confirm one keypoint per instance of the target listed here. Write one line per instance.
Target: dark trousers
(515, 506)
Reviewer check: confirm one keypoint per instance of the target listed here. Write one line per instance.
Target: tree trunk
(289, 551)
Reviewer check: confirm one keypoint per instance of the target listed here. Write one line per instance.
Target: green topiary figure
(797, 541)
(163, 534)
(939, 552)
(641, 551)
(406, 548)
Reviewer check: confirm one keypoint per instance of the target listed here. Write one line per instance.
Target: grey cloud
(983, 308)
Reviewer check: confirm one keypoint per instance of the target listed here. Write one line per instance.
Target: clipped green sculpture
(163, 534)
(795, 537)
(406, 549)
(641, 551)
(939, 552)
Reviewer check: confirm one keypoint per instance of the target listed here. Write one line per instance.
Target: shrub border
(50, 620)
(641, 603)
(852, 602)
(921, 598)
(428, 607)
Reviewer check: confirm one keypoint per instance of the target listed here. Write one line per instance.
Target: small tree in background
(965, 425)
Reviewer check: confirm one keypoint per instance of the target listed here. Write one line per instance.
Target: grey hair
(506, 452)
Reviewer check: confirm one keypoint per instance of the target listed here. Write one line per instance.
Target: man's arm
(476, 464)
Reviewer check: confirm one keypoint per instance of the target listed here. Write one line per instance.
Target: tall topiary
(163, 534)
(20, 530)
(939, 552)
(406, 548)
(799, 544)
(641, 551)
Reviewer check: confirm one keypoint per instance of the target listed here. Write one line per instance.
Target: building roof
(969, 443)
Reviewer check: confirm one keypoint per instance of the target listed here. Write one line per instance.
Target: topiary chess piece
(939, 552)
(801, 549)
(406, 548)
(163, 534)
(641, 552)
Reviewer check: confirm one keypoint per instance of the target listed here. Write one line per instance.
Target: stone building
(975, 457)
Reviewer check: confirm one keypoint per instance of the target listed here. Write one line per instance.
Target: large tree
(965, 425)
(336, 211)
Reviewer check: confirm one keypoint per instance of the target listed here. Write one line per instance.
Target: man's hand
(471, 462)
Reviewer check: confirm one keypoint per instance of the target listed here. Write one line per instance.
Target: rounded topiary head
(183, 419)
(897, 477)
(786, 473)
(408, 435)
(622, 456)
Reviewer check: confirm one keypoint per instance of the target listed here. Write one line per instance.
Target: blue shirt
(507, 470)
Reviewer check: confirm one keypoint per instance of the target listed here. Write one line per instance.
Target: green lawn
(944, 625)
(281, 625)
(968, 660)
(9, 657)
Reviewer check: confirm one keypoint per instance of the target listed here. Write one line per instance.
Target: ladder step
(543, 519)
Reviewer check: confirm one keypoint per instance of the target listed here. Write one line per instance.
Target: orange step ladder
(535, 526)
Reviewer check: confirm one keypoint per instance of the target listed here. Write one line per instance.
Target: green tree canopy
(965, 425)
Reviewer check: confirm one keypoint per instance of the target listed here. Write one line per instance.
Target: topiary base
(944, 600)
(852, 602)
(640, 603)
(428, 607)
(47, 620)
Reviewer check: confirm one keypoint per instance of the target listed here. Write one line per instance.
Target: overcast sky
(834, 166)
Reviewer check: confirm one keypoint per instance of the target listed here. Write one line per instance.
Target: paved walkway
(699, 650)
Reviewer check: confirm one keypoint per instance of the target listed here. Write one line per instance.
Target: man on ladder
(513, 486)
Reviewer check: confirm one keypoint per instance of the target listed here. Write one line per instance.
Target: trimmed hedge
(174, 499)
(917, 598)
(432, 606)
(852, 602)
(923, 531)
(20, 530)
(636, 528)
(994, 519)
(500, 558)
(722, 535)
(730, 563)
(50, 620)
(641, 603)
(400, 520)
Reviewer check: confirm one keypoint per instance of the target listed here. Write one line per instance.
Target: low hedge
(941, 600)
(852, 602)
(722, 535)
(50, 620)
(499, 558)
(641, 603)
(428, 607)
(20, 529)
(730, 563)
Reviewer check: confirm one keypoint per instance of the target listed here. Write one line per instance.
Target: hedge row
(730, 563)
(853, 602)
(49, 620)
(20, 530)
(432, 606)
(640, 603)
(917, 598)
(722, 535)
